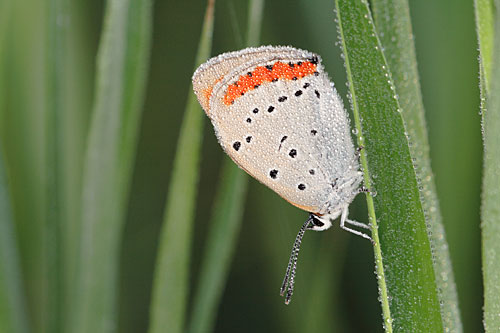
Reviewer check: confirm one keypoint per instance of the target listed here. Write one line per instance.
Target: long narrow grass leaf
(392, 20)
(121, 73)
(221, 242)
(171, 280)
(13, 316)
(490, 210)
(55, 109)
(69, 84)
(225, 222)
(404, 267)
(255, 12)
(324, 288)
(22, 128)
(485, 17)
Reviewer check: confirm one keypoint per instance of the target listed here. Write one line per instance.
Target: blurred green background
(336, 288)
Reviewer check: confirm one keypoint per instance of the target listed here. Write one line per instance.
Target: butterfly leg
(358, 151)
(357, 224)
(363, 189)
(343, 220)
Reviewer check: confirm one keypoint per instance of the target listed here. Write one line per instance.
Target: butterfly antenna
(292, 264)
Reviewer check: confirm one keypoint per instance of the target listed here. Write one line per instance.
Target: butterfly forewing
(219, 68)
(277, 122)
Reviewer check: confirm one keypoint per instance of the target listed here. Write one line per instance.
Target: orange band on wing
(278, 71)
(206, 94)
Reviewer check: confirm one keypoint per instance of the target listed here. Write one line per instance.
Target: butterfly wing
(277, 116)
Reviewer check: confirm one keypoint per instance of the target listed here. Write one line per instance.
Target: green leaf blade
(225, 225)
(404, 266)
(392, 19)
(170, 288)
(56, 57)
(226, 220)
(484, 10)
(490, 211)
(13, 317)
(121, 73)
(171, 279)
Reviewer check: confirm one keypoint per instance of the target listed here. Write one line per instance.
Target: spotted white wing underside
(277, 115)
